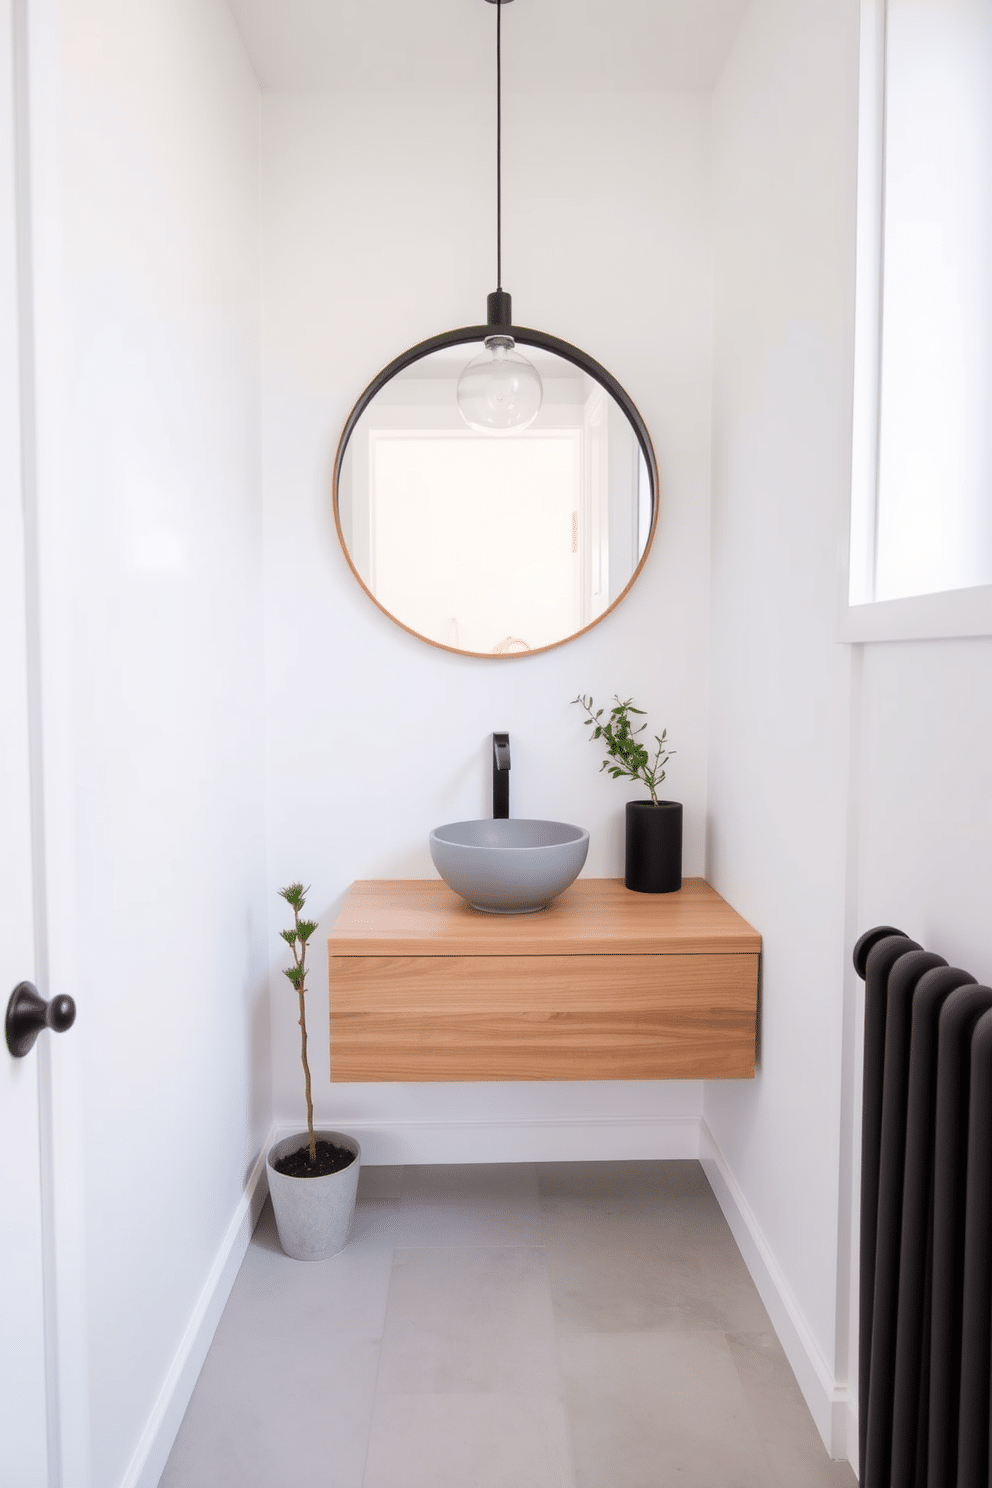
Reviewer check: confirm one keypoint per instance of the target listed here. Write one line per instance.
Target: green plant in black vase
(626, 756)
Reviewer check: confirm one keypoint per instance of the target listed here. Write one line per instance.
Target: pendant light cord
(499, 141)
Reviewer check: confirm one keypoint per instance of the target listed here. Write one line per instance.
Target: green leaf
(289, 936)
(626, 754)
(306, 929)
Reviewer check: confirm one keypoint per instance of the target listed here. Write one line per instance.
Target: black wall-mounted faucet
(501, 776)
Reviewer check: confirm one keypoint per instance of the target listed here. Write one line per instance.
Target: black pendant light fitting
(498, 307)
(499, 389)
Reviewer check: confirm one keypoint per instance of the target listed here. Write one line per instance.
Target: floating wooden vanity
(604, 984)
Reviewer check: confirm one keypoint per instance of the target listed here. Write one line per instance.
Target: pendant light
(499, 389)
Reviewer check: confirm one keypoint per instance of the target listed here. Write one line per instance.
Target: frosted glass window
(934, 504)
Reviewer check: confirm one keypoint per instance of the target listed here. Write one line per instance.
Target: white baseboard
(598, 1139)
(156, 1441)
(853, 1443)
(830, 1405)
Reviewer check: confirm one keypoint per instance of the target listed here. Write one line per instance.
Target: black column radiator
(926, 1220)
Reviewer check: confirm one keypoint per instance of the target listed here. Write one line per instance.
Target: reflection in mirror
(493, 543)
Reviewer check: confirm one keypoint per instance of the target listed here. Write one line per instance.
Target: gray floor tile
(468, 1441)
(306, 1301)
(781, 1416)
(634, 1268)
(673, 1224)
(288, 1384)
(470, 1204)
(471, 1319)
(385, 1181)
(375, 1224)
(639, 1181)
(297, 1423)
(651, 1409)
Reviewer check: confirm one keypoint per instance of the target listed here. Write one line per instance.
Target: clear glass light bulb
(499, 389)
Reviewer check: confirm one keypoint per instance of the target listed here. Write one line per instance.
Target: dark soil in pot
(330, 1159)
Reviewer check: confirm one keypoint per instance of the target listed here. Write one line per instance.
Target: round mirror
(502, 542)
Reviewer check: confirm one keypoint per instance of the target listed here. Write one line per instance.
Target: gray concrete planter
(314, 1215)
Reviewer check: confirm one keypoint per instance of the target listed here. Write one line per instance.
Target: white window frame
(952, 613)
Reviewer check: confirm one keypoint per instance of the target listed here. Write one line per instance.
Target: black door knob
(28, 1014)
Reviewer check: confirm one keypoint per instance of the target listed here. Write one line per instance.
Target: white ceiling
(549, 46)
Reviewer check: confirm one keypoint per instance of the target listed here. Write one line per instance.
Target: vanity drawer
(543, 1017)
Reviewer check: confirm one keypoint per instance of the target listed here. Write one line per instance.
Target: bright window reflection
(471, 538)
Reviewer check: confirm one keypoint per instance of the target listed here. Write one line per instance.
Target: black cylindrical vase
(654, 847)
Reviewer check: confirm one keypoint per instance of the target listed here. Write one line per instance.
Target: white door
(23, 1429)
(27, 1361)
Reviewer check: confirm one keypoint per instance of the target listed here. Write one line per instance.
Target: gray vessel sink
(509, 865)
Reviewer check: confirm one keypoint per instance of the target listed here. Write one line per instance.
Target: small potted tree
(313, 1175)
(653, 857)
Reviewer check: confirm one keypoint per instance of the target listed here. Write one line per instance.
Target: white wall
(784, 189)
(378, 231)
(926, 821)
(150, 517)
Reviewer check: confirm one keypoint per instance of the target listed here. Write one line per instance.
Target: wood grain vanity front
(604, 984)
